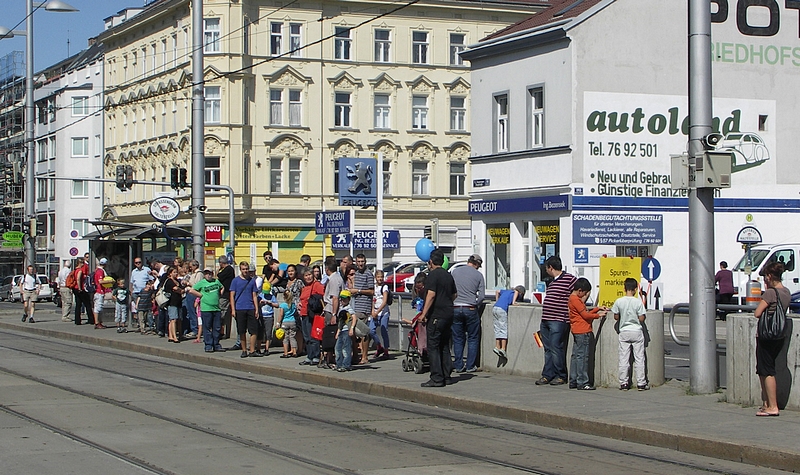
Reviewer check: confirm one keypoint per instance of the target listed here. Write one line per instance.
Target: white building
(581, 107)
(69, 143)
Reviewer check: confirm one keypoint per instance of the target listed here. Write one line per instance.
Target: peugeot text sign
(366, 240)
(521, 205)
(357, 186)
(333, 222)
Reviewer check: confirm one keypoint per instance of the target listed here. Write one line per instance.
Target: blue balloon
(424, 248)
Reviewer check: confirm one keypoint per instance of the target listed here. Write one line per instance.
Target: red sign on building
(213, 233)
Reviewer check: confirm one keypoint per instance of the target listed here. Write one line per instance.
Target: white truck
(759, 256)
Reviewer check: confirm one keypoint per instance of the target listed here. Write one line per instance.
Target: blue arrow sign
(651, 269)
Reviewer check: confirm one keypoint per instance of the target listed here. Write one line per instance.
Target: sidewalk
(665, 416)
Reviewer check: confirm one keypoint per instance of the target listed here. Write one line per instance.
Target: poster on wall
(613, 272)
(628, 140)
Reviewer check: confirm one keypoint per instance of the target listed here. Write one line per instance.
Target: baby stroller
(417, 351)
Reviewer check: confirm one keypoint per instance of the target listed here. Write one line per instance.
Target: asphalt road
(73, 408)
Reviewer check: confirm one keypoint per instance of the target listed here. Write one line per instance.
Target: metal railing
(683, 308)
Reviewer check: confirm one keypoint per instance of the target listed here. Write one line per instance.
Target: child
(630, 313)
(120, 295)
(379, 321)
(289, 324)
(503, 299)
(344, 334)
(580, 322)
(144, 307)
(268, 305)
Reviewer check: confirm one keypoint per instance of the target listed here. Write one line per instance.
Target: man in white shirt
(66, 293)
(29, 287)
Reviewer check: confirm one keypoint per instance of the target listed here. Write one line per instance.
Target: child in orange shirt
(580, 321)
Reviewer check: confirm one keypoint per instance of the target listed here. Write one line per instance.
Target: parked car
(396, 280)
(408, 283)
(9, 290)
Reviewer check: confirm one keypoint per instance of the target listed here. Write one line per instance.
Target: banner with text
(617, 229)
(613, 272)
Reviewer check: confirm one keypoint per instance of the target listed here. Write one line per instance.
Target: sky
(53, 29)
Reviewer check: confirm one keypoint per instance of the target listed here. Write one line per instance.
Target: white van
(761, 255)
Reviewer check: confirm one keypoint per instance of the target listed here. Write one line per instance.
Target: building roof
(557, 11)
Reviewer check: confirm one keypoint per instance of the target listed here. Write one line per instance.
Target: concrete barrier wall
(744, 386)
(525, 358)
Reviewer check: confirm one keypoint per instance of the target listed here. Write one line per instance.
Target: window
(294, 176)
(174, 50)
(41, 150)
(419, 47)
(342, 44)
(275, 175)
(51, 153)
(51, 108)
(501, 122)
(295, 109)
(80, 146)
(212, 171)
(82, 226)
(383, 44)
(536, 98)
(295, 40)
(342, 109)
(276, 107)
(246, 36)
(98, 146)
(213, 105)
(456, 46)
(163, 54)
(458, 178)
(275, 38)
(144, 61)
(80, 106)
(41, 194)
(382, 112)
(80, 189)
(419, 178)
(387, 177)
(52, 188)
(458, 114)
(419, 112)
(336, 176)
(211, 35)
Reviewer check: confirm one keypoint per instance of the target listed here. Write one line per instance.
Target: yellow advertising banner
(613, 272)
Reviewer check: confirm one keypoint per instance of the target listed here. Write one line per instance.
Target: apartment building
(291, 87)
(68, 134)
(12, 153)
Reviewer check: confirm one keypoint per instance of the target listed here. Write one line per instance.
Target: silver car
(9, 289)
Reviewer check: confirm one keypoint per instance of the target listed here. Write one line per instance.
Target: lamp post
(30, 163)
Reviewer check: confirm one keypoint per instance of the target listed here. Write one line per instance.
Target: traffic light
(41, 226)
(173, 178)
(121, 177)
(182, 182)
(128, 177)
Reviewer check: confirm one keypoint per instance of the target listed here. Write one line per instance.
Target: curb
(720, 449)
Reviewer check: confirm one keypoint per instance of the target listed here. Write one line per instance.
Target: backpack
(88, 283)
(71, 281)
(315, 305)
(390, 296)
(772, 324)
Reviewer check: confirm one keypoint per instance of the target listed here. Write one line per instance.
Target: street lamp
(30, 178)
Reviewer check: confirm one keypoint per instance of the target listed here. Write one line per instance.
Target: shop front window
(497, 262)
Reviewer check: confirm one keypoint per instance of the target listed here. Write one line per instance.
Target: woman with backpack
(381, 301)
(312, 288)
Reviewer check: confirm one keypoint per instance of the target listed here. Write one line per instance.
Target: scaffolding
(12, 134)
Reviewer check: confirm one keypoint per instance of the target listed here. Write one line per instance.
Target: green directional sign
(13, 236)
(12, 244)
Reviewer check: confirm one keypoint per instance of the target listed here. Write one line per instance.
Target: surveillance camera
(710, 141)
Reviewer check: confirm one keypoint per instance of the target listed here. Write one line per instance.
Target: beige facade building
(290, 87)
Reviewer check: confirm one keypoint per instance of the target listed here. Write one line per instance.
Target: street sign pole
(379, 213)
(702, 305)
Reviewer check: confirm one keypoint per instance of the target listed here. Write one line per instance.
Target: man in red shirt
(99, 293)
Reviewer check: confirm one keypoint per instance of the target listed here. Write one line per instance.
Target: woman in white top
(380, 316)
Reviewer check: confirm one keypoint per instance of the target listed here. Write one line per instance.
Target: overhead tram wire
(148, 100)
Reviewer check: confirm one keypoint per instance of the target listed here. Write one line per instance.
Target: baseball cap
(476, 258)
(208, 270)
(103, 261)
(344, 294)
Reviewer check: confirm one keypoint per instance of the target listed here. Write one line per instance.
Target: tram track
(375, 401)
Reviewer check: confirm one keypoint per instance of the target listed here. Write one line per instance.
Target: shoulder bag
(772, 324)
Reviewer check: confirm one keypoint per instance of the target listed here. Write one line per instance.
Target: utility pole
(30, 162)
(702, 307)
(198, 131)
